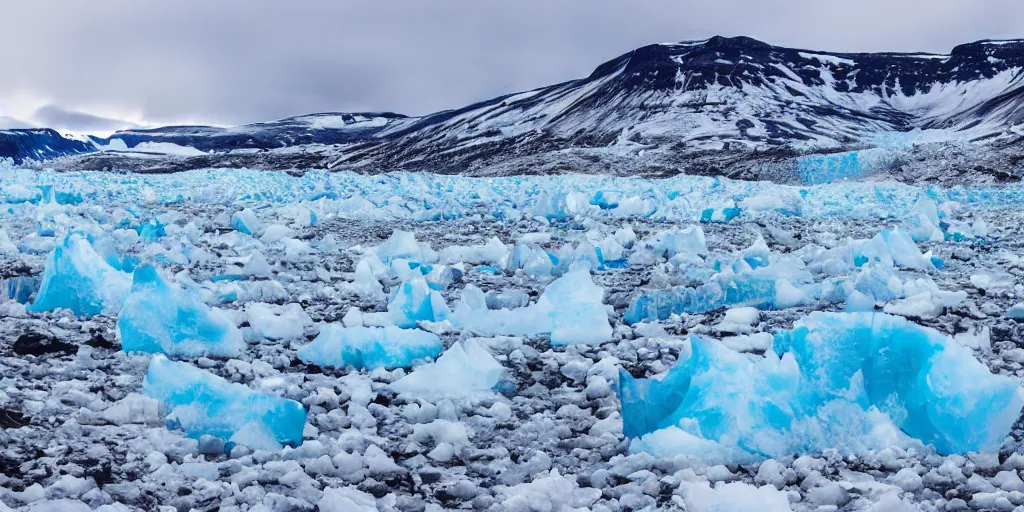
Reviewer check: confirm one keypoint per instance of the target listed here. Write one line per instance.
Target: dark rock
(36, 343)
(100, 341)
(12, 418)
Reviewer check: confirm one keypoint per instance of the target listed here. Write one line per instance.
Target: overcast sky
(238, 61)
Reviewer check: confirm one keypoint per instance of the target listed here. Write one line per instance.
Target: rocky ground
(76, 432)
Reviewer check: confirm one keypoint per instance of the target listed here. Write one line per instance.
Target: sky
(96, 66)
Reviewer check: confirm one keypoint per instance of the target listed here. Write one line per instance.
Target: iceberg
(403, 245)
(493, 253)
(415, 301)
(277, 322)
(370, 347)
(570, 309)
(161, 317)
(245, 221)
(201, 403)
(464, 370)
(849, 381)
(78, 278)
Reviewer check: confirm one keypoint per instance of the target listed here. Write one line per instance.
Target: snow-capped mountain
(734, 106)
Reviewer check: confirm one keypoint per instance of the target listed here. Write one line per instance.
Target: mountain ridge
(658, 109)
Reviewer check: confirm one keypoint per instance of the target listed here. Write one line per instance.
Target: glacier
(161, 317)
(370, 347)
(201, 403)
(850, 381)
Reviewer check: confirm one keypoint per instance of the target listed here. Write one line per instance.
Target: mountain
(726, 106)
(39, 144)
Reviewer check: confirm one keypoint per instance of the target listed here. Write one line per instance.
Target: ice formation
(161, 317)
(860, 272)
(734, 496)
(413, 301)
(77, 278)
(403, 245)
(245, 221)
(201, 403)
(851, 381)
(277, 322)
(464, 370)
(570, 309)
(370, 347)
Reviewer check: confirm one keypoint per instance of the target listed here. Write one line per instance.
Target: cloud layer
(237, 61)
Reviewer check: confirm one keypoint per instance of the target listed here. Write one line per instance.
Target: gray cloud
(236, 61)
(53, 116)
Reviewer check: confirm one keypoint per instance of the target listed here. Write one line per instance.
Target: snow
(201, 403)
(824, 386)
(370, 347)
(827, 59)
(166, 148)
(161, 317)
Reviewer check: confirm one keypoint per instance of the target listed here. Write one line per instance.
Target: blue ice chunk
(736, 290)
(606, 199)
(18, 193)
(571, 309)
(719, 215)
(151, 231)
(20, 288)
(464, 370)
(161, 317)
(850, 381)
(77, 278)
(370, 347)
(415, 301)
(245, 221)
(403, 245)
(201, 403)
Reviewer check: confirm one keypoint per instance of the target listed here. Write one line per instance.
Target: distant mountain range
(736, 107)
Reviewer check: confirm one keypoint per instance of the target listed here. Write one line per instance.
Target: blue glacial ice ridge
(78, 278)
(161, 317)
(757, 277)
(350, 195)
(370, 347)
(464, 370)
(571, 309)
(824, 169)
(850, 381)
(201, 403)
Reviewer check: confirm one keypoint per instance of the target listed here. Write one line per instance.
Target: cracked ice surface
(511, 303)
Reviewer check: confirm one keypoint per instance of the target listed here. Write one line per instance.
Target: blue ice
(201, 403)
(161, 317)
(370, 347)
(415, 301)
(245, 221)
(850, 381)
(78, 278)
